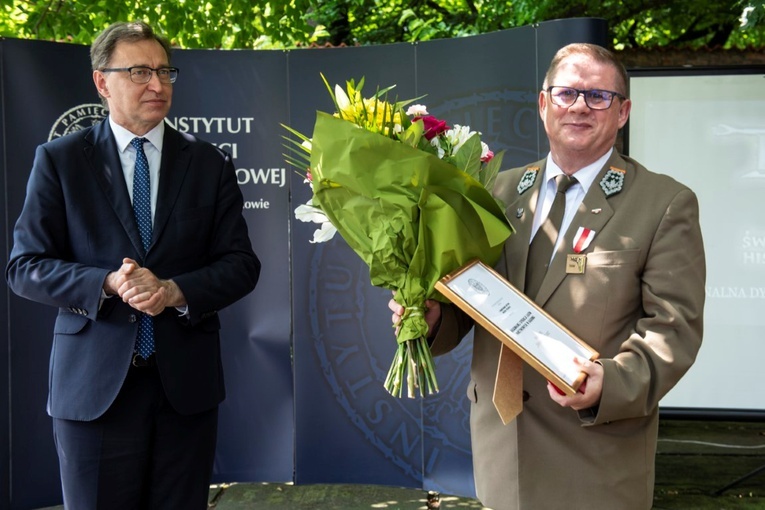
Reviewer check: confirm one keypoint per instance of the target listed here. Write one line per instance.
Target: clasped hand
(140, 288)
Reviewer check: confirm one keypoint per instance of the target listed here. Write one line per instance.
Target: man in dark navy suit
(132, 229)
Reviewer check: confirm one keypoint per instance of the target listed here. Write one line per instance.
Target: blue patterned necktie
(142, 208)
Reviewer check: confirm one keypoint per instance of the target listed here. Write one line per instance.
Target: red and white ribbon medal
(582, 239)
(576, 262)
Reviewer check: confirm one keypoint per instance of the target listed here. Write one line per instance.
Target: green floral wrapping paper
(412, 217)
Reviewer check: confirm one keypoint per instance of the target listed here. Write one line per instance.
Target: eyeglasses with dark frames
(142, 74)
(595, 99)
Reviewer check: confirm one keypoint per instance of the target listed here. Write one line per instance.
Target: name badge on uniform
(576, 262)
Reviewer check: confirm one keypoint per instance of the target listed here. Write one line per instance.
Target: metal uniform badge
(527, 179)
(613, 181)
(575, 263)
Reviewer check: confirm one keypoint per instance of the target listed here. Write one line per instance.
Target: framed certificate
(518, 323)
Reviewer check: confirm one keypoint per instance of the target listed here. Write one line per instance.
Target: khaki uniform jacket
(639, 304)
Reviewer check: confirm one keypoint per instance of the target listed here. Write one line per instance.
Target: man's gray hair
(103, 47)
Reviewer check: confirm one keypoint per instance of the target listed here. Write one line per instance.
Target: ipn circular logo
(77, 118)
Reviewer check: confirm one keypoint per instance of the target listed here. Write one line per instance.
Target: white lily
(312, 214)
(324, 234)
(458, 135)
(341, 97)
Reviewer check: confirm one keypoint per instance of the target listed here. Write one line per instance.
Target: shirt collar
(123, 137)
(585, 176)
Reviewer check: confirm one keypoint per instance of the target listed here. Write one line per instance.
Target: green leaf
(468, 157)
(491, 170)
(413, 134)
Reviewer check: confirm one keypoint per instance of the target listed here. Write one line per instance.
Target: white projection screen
(706, 128)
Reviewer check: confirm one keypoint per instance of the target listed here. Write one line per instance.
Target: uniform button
(526, 396)
(132, 318)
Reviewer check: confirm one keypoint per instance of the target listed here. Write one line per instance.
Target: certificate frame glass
(518, 323)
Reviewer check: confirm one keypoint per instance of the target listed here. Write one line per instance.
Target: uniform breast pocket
(612, 271)
(615, 259)
(609, 287)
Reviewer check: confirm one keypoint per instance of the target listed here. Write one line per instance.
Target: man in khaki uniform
(638, 301)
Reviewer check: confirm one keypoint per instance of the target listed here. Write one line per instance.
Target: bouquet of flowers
(411, 196)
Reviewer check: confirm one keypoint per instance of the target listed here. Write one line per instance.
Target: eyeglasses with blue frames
(595, 99)
(142, 74)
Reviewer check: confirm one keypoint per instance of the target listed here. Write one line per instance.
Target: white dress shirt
(127, 153)
(574, 196)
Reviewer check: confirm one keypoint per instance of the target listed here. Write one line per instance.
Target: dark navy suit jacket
(77, 225)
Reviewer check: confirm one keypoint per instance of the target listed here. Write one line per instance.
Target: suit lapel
(175, 164)
(520, 211)
(103, 157)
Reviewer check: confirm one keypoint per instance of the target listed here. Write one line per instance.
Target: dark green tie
(541, 247)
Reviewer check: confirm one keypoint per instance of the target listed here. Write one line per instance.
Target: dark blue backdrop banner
(5, 452)
(237, 100)
(305, 354)
(47, 92)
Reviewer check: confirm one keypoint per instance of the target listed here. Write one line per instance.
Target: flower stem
(412, 362)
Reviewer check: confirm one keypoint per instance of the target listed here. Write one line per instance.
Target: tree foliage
(188, 23)
(289, 23)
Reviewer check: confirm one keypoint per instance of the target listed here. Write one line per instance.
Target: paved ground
(700, 466)
(331, 497)
(270, 496)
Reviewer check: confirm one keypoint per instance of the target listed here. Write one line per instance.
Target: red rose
(433, 126)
